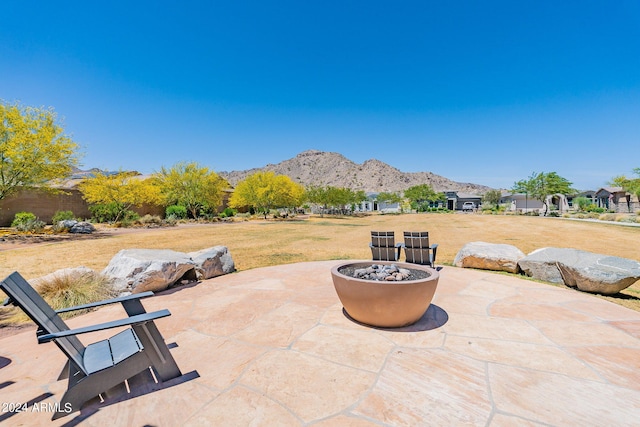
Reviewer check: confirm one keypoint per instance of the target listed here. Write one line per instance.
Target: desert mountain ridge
(322, 168)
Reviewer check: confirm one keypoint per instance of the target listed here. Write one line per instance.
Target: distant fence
(44, 205)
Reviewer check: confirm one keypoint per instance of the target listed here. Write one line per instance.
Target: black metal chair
(383, 246)
(98, 367)
(417, 249)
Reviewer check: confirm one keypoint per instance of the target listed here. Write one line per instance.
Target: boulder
(212, 262)
(541, 265)
(489, 256)
(589, 272)
(73, 226)
(82, 228)
(141, 270)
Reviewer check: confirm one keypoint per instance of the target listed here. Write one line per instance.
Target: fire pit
(385, 302)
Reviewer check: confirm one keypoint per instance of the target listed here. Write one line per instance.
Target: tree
(336, 197)
(33, 149)
(540, 185)
(122, 190)
(420, 194)
(388, 198)
(492, 197)
(192, 186)
(265, 191)
(630, 185)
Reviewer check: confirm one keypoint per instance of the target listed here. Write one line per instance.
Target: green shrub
(22, 218)
(176, 212)
(228, 212)
(129, 219)
(27, 222)
(104, 212)
(62, 216)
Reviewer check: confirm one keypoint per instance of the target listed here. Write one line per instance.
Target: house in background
(617, 200)
(456, 199)
(373, 205)
(523, 203)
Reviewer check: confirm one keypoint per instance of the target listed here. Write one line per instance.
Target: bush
(27, 222)
(104, 212)
(176, 212)
(62, 216)
(228, 212)
(607, 217)
(68, 290)
(149, 220)
(22, 218)
(129, 219)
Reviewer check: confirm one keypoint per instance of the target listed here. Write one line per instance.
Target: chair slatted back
(416, 247)
(22, 294)
(383, 245)
(383, 239)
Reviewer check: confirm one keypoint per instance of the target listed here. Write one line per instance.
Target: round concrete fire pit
(387, 304)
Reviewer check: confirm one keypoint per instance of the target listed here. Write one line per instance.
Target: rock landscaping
(141, 270)
(589, 272)
(380, 272)
(489, 256)
(586, 271)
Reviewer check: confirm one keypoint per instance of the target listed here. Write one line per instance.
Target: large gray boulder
(489, 256)
(589, 272)
(141, 270)
(73, 226)
(212, 262)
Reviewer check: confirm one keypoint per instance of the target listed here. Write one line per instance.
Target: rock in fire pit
(389, 273)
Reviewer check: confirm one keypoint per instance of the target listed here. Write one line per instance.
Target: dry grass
(262, 243)
(65, 290)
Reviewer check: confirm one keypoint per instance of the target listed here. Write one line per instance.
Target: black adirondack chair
(98, 367)
(383, 246)
(417, 249)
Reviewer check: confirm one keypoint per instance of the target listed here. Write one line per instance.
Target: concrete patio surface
(272, 346)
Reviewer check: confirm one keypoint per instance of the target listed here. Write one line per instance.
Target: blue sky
(477, 91)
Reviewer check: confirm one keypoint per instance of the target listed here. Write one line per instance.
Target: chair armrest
(105, 302)
(133, 320)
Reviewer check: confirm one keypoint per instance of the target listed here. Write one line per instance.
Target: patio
(271, 346)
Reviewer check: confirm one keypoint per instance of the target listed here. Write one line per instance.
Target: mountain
(323, 168)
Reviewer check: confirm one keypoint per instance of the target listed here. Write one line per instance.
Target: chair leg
(154, 343)
(64, 374)
(91, 386)
(157, 351)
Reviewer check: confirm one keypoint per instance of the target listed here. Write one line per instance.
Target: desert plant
(22, 218)
(62, 216)
(27, 222)
(68, 290)
(149, 220)
(104, 212)
(176, 212)
(128, 219)
(228, 212)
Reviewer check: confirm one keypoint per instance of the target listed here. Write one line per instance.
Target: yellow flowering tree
(33, 149)
(192, 186)
(265, 191)
(120, 191)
